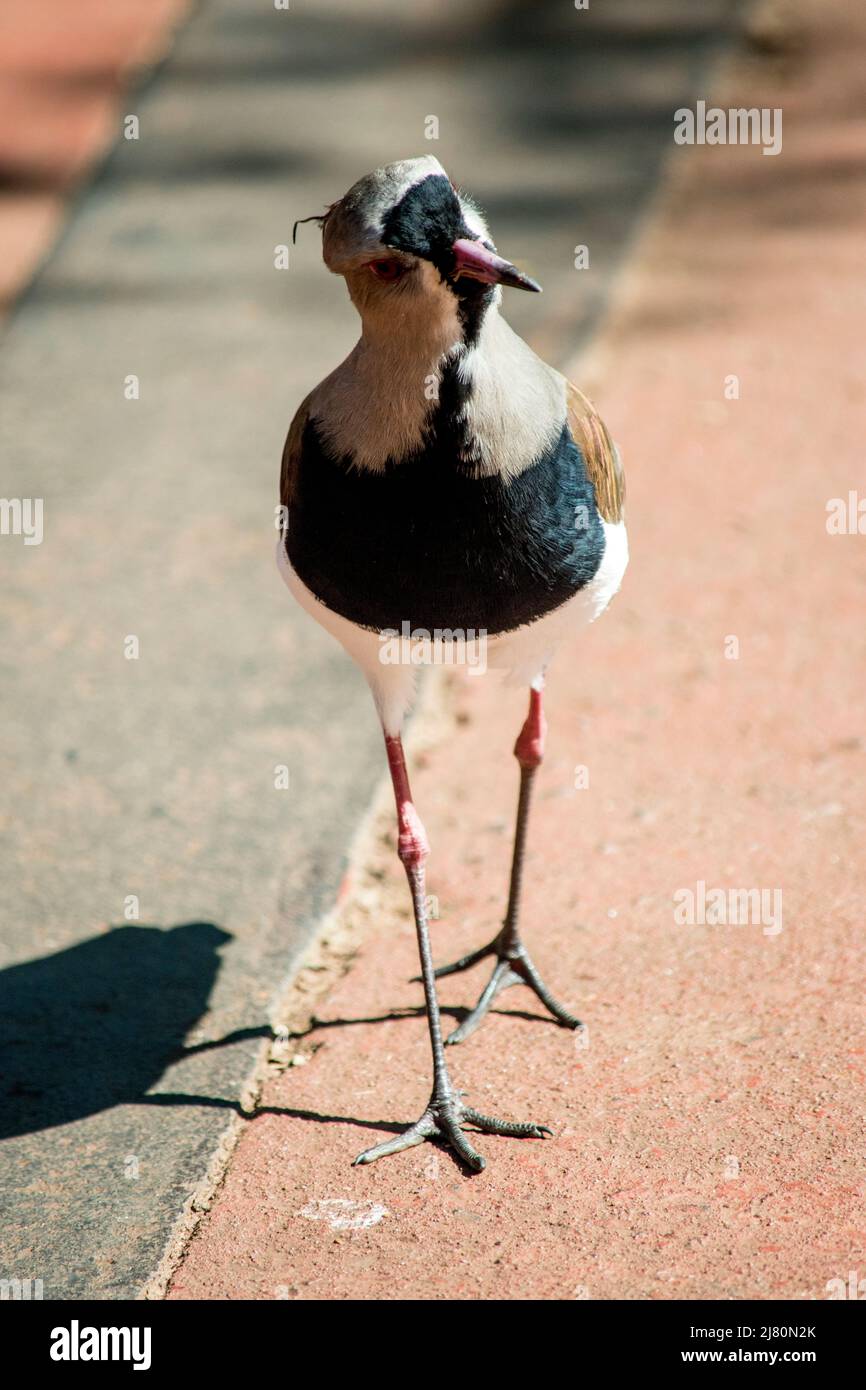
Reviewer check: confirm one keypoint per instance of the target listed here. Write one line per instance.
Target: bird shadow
(95, 1025)
(456, 1011)
(171, 1098)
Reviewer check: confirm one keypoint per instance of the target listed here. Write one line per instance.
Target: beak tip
(519, 280)
(524, 282)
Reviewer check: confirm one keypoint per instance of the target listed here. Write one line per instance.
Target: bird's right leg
(514, 965)
(446, 1111)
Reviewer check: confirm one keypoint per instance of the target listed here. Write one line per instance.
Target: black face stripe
(426, 542)
(426, 222)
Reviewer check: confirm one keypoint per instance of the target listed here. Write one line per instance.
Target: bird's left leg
(513, 964)
(446, 1111)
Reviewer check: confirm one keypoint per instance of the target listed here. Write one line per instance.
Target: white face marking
(474, 218)
(353, 231)
(396, 181)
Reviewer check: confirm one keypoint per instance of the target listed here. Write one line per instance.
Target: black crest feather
(320, 217)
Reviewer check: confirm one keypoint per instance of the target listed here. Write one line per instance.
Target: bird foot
(443, 1120)
(513, 967)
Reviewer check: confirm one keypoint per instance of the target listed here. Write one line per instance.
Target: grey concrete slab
(154, 778)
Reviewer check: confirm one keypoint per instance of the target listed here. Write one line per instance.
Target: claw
(513, 967)
(443, 1121)
(464, 963)
(516, 1129)
(458, 1141)
(415, 1135)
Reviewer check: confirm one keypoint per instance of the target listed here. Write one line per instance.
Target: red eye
(388, 270)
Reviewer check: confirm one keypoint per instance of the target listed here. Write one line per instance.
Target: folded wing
(601, 456)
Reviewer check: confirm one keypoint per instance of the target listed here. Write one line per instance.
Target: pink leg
(413, 846)
(513, 965)
(446, 1110)
(529, 748)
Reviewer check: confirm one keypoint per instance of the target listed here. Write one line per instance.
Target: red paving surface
(709, 1140)
(63, 68)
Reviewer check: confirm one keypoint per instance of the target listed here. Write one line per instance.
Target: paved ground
(63, 69)
(153, 779)
(709, 1140)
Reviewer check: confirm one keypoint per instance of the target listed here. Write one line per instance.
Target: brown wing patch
(589, 433)
(292, 453)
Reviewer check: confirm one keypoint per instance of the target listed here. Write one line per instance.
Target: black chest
(424, 542)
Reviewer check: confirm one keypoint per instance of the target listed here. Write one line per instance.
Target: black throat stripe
(426, 222)
(424, 542)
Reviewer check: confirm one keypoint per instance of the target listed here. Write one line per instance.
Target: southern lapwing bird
(445, 487)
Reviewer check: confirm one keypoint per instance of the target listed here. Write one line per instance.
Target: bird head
(408, 240)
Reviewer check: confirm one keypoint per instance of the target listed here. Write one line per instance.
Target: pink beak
(474, 260)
